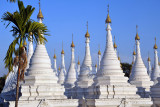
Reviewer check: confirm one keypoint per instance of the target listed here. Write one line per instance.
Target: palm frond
(9, 56)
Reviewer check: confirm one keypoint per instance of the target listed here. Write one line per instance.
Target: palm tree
(22, 27)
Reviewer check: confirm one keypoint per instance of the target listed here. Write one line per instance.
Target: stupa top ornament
(137, 36)
(40, 15)
(62, 52)
(87, 35)
(72, 45)
(108, 20)
(54, 55)
(115, 46)
(155, 46)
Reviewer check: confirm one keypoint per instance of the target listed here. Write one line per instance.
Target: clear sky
(64, 17)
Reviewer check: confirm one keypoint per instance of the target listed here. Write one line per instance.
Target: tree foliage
(126, 68)
(22, 26)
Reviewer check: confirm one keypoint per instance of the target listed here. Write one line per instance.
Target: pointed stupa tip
(87, 35)
(137, 36)
(118, 57)
(62, 52)
(59, 68)
(148, 58)
(40, 15)
(134, 53)
(155, 46)
(78, 61)
(108, 20)
(99, 52)
(54, 55)
(132, 62)
(115, 46)
(72, 44)
(96, 65)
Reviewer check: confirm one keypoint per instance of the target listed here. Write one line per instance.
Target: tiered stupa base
(117, 102)
(45, 103)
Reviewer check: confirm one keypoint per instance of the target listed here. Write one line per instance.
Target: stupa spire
(87, 35)
(83, 80)
(99, 58)
(30, 49)
(139, 76)
(149, 69)
(156, 71)
(40, 15)
(55, 63)
(62, 73)
(134, 56)
(78, 67)
(108, 19)
(114, 45)
(87, 62)
(71, 74)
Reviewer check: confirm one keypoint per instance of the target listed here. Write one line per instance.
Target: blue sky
(64, 17)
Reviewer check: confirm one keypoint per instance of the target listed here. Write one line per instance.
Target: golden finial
(99, 52)
(115, 46)
(148, 58)
(108, 20)
(87, 33)
(134, 53)
(62, 52)
(118, 57)
(132, 62)
(59, 68)
(78, 61)
(137, 36)
(24, 43)
(54, 55)
(72, 45)
(96, 65)
(40, 15)
(155, 46)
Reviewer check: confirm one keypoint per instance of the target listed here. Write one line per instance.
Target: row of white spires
(138, 73)
(62, 73)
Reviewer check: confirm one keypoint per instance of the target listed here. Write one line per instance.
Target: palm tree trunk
(17, 87)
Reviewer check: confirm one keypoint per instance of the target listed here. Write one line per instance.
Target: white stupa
(10, 84)
(78, 68)
(61, 75)
(30, 50)
(55, 64)
(156, 71)
(139, 76)
(71, 74)
(133, 61)
(84, 80)
(110, 87)
(40, 87)
(134, 57)
(115, 46)
(149, 68)
(99, 59)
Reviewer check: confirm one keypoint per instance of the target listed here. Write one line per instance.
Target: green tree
(126, 68)
(22, 27)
